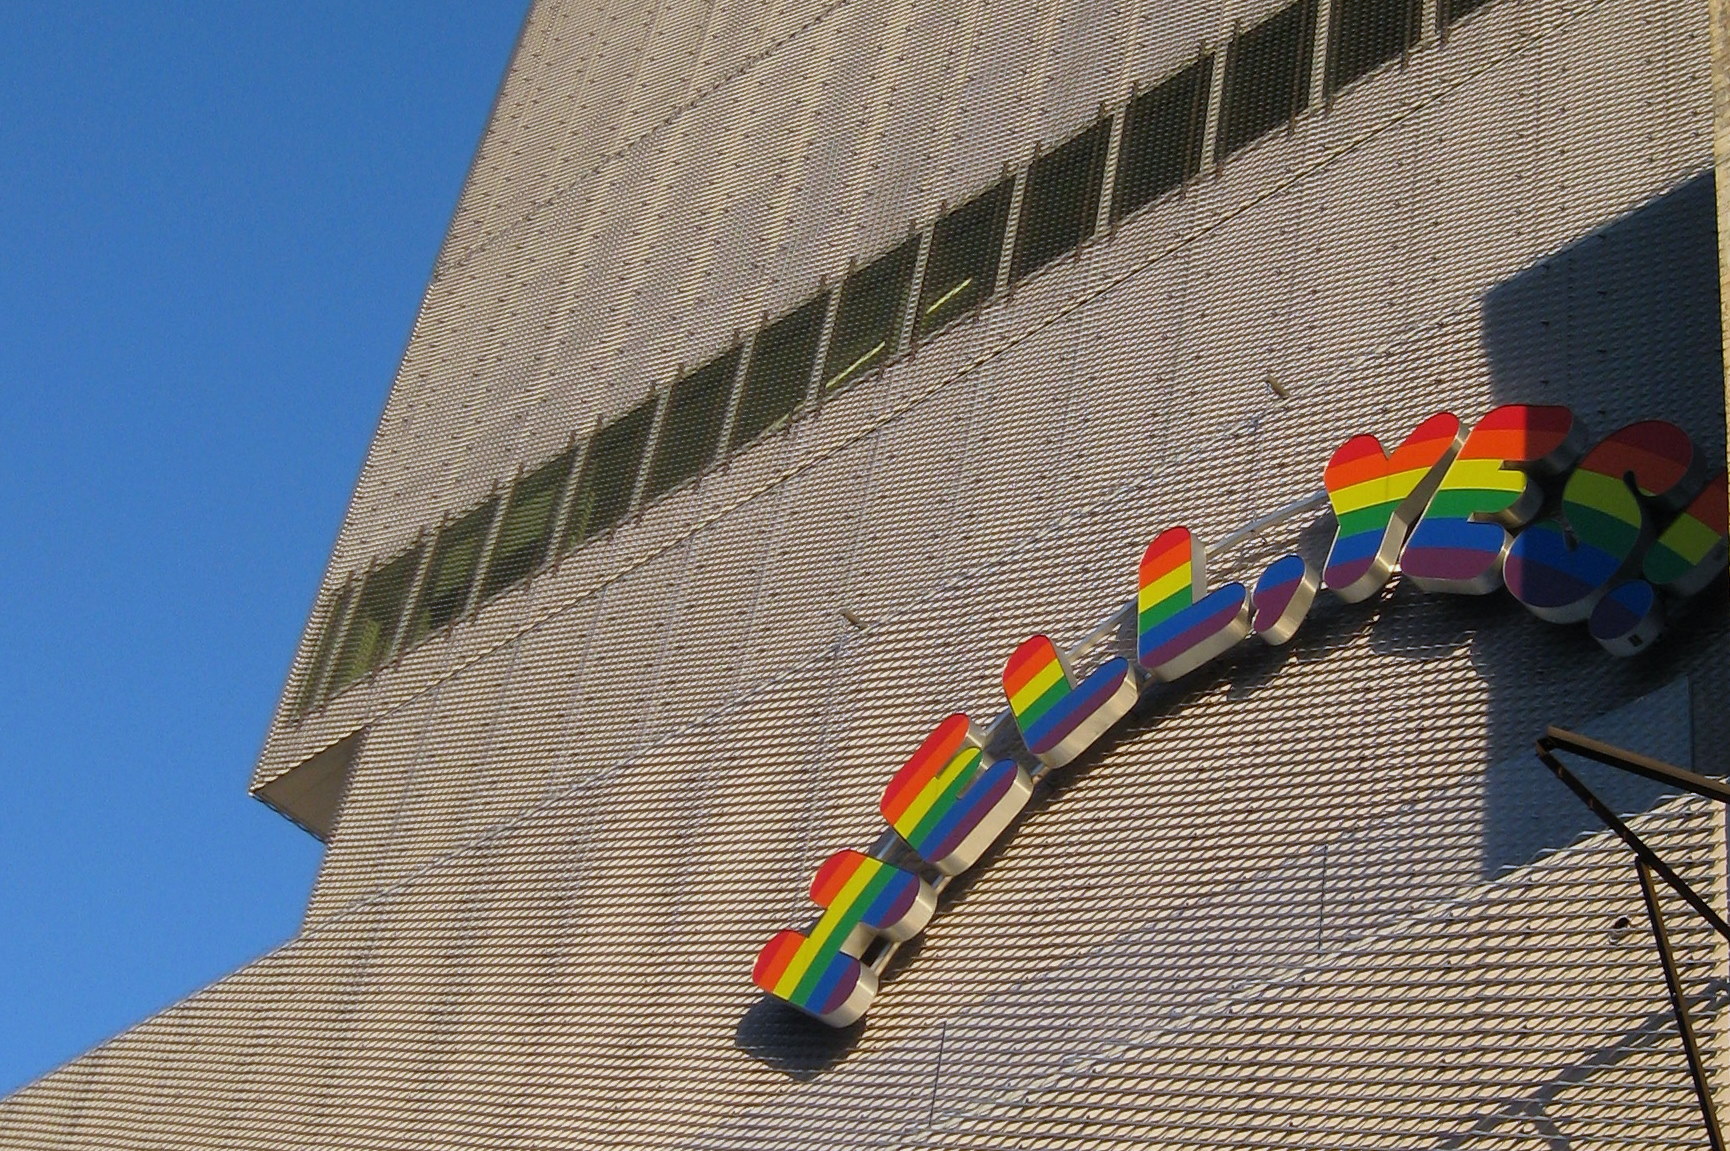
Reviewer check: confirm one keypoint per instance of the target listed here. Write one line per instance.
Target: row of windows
(836, 337)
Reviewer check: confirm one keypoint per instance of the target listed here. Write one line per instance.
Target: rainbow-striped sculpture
(1377, 498)
(1179, 625)
(862, 898)
(946, 804)
(1059, 718)
(1468, 496)
(1284, 594)
(1560, 572)
(1691, 552)
(1686, 557)
(1463, 537)
(1627, 618)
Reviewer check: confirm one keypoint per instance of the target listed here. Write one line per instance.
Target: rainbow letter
(1463, 537)
(1060, 719)
(1628, 618)
(1691, 552)
(1178, 626)
(820, 973)
(1378, 497)
(1282, 599)
(1687, 557)
(947, 808)
(1561, 575)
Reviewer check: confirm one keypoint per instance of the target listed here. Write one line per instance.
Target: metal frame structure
(1646, 862)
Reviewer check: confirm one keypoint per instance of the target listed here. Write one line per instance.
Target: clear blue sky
(219, 219)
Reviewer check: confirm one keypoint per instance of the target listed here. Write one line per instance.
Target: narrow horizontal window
(1163, 129)
(608, 479)
(691, 426)
(450, 576)
(1369, 33)
(869, 316)
(526, 531)
(778, 375)
(330, 633)
(1448, 11)
(961, 269)
(1267, 77)
(378, 612)
(1060, 204)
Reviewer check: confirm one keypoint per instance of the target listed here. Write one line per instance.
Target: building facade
(786, 368)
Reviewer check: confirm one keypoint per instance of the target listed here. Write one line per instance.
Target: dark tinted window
(372, 629)
(1060, 204)
(779, 373)
(691, 427)
(868, 319)
(527, 527)
(329, 635)
(1367, 33)
(1447, 11)
(451, 574)
(1267, 76)
(961, 269)
(1162, 135)
(603, 493)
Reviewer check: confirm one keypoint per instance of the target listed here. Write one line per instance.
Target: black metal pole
(1635, 763)
(1679, 1004)
(1639, 846)
(1646, 863)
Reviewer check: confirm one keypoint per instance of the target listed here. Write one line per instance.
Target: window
(691, 427)
(1162, 137)
(609, 475)
(1368, 33)
(451, 574)
(1267, 77)
(326, 646)
(869, 317)
(961, 269)
(779, 373)
(1448, 11)
(373, 629)
(1061, 201)
(527, 526)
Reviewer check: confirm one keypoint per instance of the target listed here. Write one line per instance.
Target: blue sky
(219, 219)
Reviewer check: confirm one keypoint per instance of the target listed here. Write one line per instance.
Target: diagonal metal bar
(1679, 1004)
(1638, 846)
(1635, 763)
(1646, 863)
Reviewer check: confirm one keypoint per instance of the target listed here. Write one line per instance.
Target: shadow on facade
(794, 1044)
(1621, 325)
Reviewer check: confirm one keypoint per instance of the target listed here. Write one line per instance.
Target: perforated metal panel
(1285, 904)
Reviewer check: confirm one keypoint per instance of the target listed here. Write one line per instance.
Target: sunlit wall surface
(782, 371)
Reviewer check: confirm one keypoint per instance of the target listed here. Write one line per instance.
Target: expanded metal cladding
(1314, 896)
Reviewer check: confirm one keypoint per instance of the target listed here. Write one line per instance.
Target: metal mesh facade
(1316, 895)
